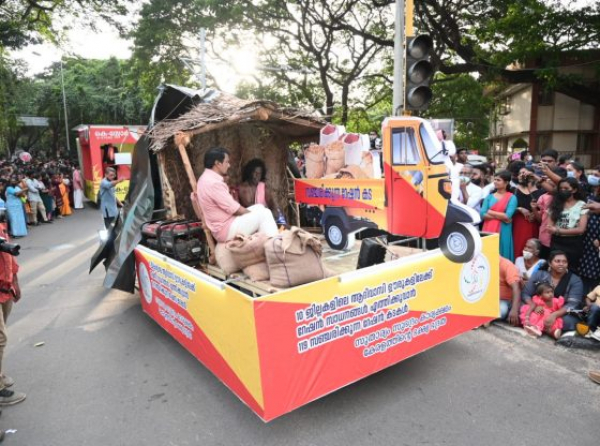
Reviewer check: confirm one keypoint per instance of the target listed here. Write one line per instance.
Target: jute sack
(240, 252)
(258, 271)
(314, 157)
(366, 164)
(225, 259)
(294, 258)
(247, 249)
(352, 171)
(335, 157)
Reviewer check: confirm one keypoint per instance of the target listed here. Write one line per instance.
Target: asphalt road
(108, 375)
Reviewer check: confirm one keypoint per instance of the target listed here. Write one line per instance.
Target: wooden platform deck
(335, 262)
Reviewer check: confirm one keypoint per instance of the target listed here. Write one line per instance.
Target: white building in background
(547, 119)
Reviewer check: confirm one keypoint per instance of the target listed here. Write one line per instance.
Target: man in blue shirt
(108, 198)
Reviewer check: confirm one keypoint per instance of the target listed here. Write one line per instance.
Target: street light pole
(62, 81)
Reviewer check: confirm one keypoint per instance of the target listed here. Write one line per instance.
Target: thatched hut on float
(247, 128)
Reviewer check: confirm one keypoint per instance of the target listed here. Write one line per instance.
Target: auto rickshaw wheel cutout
(336, 235)
(460, 242)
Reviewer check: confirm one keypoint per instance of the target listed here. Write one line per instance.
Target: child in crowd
(544, 304)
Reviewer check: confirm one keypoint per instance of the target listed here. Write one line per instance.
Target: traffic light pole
(398, 96)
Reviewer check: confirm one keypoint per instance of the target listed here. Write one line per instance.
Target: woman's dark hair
(551, 153)
(558, 204)
(3, 183)
(213, 155)
(515, 166)
(249, 169)
(560, 171)
(530, 177)
(543, 286)
(504, 175)
(563, 159)
(579, 168)
(551, 256)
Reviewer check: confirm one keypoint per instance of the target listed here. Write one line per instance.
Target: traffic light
(419, 72)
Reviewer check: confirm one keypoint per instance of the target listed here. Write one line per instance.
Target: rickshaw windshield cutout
(405, 150)
(433, 147)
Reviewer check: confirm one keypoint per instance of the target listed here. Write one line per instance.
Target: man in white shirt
(34, 187)
(471, 195)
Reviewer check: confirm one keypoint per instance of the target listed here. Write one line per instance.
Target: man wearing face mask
(471, 194)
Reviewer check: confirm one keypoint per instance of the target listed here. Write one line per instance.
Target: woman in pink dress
(534, 316)
(253, 189)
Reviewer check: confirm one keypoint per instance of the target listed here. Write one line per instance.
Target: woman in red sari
(497, 211)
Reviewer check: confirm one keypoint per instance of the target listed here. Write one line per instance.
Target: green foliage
(462, 99)
(97, 92)
(312, 62)
(27, 21)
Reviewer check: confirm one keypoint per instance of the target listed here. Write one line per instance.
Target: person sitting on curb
(565, 284)
(510, 292)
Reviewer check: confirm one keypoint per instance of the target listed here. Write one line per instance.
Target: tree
(461, 97)
(97, 92)
(300, 36)
(27, 21)
(485, 37)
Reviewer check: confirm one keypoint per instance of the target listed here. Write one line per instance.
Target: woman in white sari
(529, 262)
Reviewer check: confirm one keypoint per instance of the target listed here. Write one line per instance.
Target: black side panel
(454, 214)
(124, 236)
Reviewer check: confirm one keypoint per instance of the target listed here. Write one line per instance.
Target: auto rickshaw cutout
(414, 199)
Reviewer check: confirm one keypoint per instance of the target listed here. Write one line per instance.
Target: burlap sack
(294, 258)
(352, 172)
(225, 259)
(366, 164)
(258, 271)
(247, 249)
(314, 158)
(241, 252)
(335, 157)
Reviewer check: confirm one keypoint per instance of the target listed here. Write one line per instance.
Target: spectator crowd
(547, 214)
(38, 193)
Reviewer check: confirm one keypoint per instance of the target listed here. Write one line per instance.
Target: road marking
(61, 247)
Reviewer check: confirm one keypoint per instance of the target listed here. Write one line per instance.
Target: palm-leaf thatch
(247, 128)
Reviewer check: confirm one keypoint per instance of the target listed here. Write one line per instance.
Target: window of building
(542, 143)
(504, 106)
(545, 96)
(584, 142)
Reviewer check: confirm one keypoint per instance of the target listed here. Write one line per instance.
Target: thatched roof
(215, 110)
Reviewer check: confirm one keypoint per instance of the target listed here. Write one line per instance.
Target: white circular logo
(474, 279)
(145, 283)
